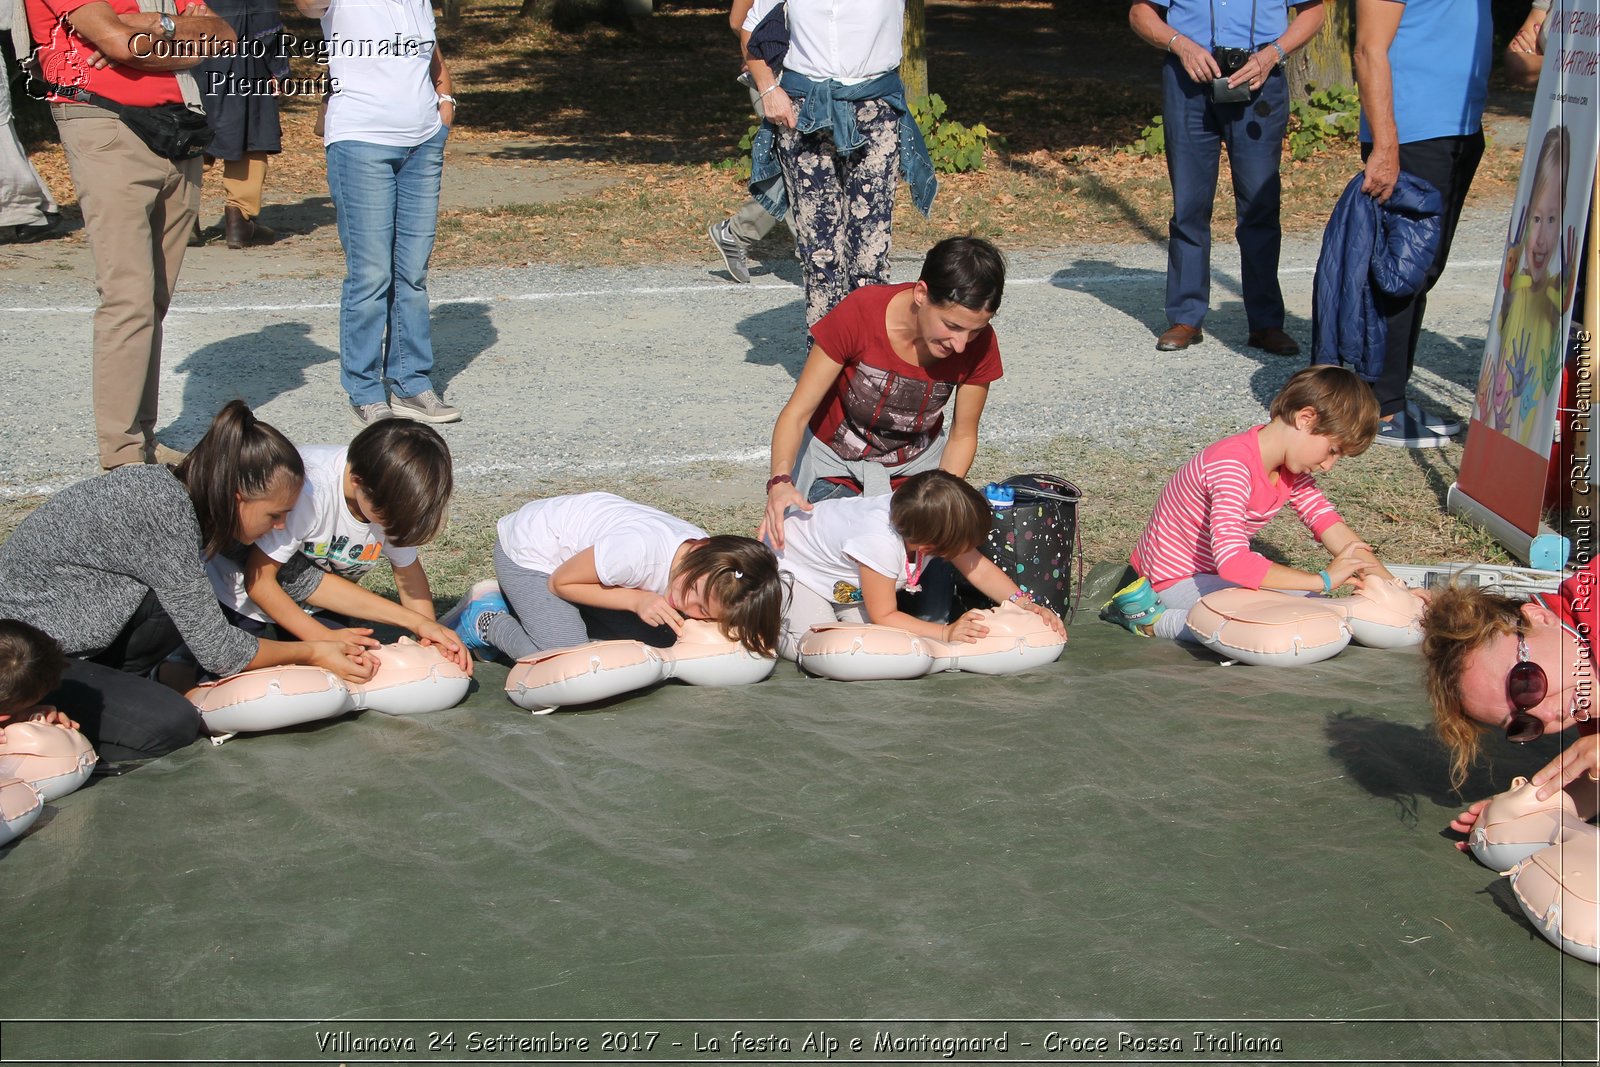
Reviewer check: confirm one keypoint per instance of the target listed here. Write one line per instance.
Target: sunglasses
(1526, 686)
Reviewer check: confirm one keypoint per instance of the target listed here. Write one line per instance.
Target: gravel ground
(673, 372)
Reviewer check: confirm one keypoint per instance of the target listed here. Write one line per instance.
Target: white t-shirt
(826, 547)
(848, 41)
(319, 527)
(633, 544)
(380, 53)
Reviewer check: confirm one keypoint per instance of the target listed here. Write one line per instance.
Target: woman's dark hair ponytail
(239, 458)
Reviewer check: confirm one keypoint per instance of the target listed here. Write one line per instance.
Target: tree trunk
(914, 65)
(452, 13)
(1326, 59)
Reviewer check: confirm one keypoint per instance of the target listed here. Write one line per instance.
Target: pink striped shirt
(1207, 514)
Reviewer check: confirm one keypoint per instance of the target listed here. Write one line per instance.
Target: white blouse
(848, 41)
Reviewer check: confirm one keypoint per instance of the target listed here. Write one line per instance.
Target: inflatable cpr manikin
(53, 759)
(1559, 890)
(1272, 629)
(411, 678)
(1516, 824)
(20, 805)
(1381, 614)
(604, 669)
(1553, 859)
(1018, 640)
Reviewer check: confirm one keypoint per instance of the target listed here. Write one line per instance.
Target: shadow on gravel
(1455, 359)
(777, 337)
(256, 367)
(461, 333)
(1135, 292)
(307, 216)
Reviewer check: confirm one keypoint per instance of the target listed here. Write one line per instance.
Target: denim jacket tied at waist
(827, 105)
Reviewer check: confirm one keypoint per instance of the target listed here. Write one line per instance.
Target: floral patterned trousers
(842, 205)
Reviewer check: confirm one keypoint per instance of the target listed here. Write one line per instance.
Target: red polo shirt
(62, 54)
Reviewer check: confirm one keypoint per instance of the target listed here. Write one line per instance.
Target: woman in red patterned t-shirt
(869, 406)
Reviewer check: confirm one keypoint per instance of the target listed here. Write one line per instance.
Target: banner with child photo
(1520, 383)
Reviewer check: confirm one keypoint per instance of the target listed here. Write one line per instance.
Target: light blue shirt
(1439, 64)
(1192, 18)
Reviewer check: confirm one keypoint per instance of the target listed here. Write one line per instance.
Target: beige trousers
(138, 209)
(243, 181)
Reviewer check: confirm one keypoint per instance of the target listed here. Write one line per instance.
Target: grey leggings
(540, 621)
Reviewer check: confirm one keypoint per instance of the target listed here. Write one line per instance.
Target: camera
(1229, 60)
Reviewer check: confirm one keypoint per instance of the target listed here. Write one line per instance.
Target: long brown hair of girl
(239, 458)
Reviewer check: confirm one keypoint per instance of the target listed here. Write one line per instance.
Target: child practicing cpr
(109, 569)
(381, 497)
(594, 566)
(31, 665)
(849, 556)
(1198, 537)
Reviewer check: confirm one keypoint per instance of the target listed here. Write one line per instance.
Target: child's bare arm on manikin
(578, 581)
(261, 585)
(878, 597)
(344, 597)
(992, 582)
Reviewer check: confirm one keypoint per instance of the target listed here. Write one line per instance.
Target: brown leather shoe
(242, 232)
(1178, 337)
(160, 453)
(1274, 340)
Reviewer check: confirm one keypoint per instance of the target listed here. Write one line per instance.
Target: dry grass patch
(656, 112)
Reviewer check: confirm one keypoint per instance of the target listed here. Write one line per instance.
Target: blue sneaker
(1406, 431)
(471, 622)
(1135, 607)
(483, 588)
(1439, 423)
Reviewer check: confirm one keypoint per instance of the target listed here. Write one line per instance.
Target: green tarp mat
(1136, 844)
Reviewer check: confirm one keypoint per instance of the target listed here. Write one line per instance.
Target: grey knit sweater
(78, 567)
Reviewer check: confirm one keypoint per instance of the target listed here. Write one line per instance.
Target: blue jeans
(1196, 129)
(387, 199)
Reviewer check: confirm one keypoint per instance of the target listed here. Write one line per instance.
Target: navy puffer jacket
(1370, 248)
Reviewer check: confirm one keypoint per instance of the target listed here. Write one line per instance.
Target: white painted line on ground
(1001, 436)
(1140, 276)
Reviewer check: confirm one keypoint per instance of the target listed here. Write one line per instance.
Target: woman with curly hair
(1523, 667)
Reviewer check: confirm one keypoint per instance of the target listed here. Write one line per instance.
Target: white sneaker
(424, 407)
(367, 414)
(1435, 421)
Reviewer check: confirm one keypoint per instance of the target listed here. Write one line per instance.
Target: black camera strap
(1252, 24)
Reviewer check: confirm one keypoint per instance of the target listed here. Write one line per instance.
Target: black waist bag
(171, 131)
(1035, 540)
